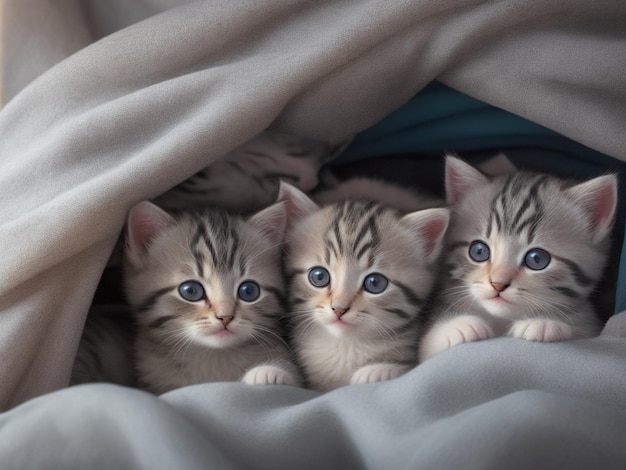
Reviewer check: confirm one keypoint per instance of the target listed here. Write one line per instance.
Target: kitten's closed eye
(257, 166)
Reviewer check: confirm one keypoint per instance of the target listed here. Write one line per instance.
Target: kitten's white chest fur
(333, 361)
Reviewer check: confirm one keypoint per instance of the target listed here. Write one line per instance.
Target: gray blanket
(502, 403)
(109, 102)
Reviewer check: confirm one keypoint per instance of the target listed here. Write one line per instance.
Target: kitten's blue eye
(375, 283)
(479, 251)
(191, 291)
(249, 291)
(319, 277)
(537, 259)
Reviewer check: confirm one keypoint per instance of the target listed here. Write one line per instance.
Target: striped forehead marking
(517, 208)
(353, 231)
(215, 240)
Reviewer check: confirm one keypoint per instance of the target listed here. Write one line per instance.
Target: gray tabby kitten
(359, 272)
(207, 291)
(525, 252)
(248, 177)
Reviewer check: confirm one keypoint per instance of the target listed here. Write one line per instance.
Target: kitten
(359, 273)
(525, 251)
(208, 293)
(248, 177)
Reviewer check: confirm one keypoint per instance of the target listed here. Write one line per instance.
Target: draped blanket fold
(106, 103)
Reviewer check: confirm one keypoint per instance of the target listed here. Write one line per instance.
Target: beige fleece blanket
(109, 102)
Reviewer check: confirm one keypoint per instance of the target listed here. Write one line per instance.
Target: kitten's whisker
(183, 341)
(308, 323)
(550, 307)
(463, 304)
(271, 333)
(262, 341)
(380, 327)
(539, 306)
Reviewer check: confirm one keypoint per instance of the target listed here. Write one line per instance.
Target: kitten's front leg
(458, 330)
(378, 372)
(271, 374)
(541, 329)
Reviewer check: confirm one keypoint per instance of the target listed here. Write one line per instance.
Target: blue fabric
(440, 119)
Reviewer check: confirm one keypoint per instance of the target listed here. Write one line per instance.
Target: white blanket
(108, 102)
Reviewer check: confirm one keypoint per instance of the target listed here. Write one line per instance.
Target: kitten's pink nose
(339, 311)
(224, 310)
(225, 319)
(499, 286)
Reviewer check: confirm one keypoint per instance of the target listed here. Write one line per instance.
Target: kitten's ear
(429, 226)
(599, 199)
(298, 204)
(272, 222)
(461, 178)
(144, 222)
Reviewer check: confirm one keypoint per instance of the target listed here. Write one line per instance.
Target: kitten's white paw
(269, 375)
(539, 329)
(458, 330)
(378, 373)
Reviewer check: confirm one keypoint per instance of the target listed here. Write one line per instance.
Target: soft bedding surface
(498, 404)
(106, 103)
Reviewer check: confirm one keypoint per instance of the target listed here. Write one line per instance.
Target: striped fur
(248, 177)
(512, 215)
(219, 337)
(342, 333)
